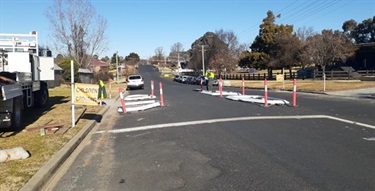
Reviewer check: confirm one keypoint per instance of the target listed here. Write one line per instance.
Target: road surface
(201, 142)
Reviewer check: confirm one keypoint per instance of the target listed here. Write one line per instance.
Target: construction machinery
(24, 72)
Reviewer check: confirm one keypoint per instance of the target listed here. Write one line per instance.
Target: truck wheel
(17, 113)
(41, 96)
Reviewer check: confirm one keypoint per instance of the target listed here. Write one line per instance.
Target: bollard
(122, 100)
(243, 86)
(161, 94)
(152, 88)
(265, 93)
(294, 102)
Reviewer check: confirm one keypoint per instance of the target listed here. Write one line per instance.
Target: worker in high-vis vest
(101, 93)
(210, 77)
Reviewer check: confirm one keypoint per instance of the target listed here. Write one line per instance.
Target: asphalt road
(201, 142)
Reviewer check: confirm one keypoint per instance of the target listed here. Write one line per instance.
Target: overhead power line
(296, 12)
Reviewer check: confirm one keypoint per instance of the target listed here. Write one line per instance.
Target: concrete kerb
(48, 169)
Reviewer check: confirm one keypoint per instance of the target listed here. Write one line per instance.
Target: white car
(135, 82)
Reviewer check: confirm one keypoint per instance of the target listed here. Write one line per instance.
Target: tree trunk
(269, 73)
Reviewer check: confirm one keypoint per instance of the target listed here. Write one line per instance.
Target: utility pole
(178, 57)
(165, 62)
(203, 60)
(117, 66)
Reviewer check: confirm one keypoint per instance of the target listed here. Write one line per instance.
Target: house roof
(56, 67)
(99, 63)
(84, 71)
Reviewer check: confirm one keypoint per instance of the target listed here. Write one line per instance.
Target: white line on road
(199, 122)
(369, 139)
(351, 122)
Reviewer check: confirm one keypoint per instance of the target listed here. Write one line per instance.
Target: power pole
(165, 62)
(117, 66)
(203, 60)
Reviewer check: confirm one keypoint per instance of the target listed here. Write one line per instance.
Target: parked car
(190, 80)
(184, 79)
(216, 82)
(198, 80)
(252, 70)
(135, 82)
(176, 78)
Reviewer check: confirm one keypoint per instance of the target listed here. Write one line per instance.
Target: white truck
(24, 72)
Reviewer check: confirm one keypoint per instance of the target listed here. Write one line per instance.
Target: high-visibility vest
(101, 83)
(102, 92)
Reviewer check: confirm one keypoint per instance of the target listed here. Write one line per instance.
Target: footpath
(49, 168)
(358, 93)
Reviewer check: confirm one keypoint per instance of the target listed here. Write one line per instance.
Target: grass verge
(308, 85)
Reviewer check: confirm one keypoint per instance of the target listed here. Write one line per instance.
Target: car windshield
(134, 77)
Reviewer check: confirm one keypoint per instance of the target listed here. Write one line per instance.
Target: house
(97, 66)
(365, 57)
(58, 77)
(85, 76)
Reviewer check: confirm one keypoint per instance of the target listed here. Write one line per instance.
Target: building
(58, 77)
(97, 66)
(85, 76)
(365, 57)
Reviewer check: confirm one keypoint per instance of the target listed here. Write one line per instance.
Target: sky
(141, 26)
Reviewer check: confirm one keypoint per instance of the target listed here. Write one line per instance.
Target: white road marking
(351, 122)
(140, 119)
(369, 139)
(199, 122)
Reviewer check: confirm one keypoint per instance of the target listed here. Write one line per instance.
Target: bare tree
(78, 31)
(176, 50)
(329, 47)
(304, 33)
(177, 47)
(285, 52)
(231, 40)
(223, 61)
(159, 53)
